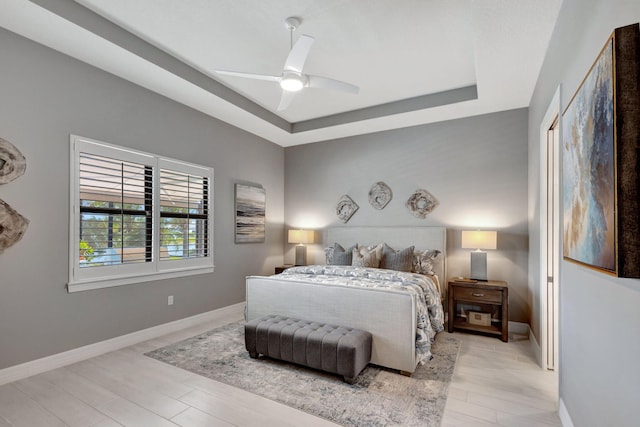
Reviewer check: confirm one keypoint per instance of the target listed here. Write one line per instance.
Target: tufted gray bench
(336, 349)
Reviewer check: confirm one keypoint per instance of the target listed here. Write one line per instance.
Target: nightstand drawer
(480, 295)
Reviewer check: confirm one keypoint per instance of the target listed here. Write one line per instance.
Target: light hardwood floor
(495, 383)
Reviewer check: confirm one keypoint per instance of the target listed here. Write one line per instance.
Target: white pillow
(423, 261)
(366, 257)
(337, 255)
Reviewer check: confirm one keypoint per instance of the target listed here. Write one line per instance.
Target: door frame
(553, 113)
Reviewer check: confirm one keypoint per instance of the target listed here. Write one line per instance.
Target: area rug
(379, 397)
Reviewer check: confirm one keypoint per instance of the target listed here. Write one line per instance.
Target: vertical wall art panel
(601, 139)
(250, 214)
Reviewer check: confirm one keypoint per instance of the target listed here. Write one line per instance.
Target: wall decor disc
(345, 208)
(12, 226)
(421, 203)
(12, 162)
(380, 195)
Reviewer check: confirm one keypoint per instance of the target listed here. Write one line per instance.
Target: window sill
(89, 285)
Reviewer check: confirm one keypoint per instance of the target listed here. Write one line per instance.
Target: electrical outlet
(170, 300)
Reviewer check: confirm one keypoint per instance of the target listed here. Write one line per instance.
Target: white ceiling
(415, 61)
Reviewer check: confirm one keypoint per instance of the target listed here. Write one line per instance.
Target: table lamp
(301, 237)
(479, 240)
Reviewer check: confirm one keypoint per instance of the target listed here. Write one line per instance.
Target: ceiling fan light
(291, 83)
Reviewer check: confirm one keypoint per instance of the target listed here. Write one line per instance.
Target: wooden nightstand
(490, 297)
(282, 268)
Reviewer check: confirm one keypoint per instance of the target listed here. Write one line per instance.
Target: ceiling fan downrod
(292, 23)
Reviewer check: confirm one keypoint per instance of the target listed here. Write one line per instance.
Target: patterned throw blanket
(430, 314)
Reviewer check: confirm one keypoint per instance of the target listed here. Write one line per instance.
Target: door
(552, 245)
(550, 217)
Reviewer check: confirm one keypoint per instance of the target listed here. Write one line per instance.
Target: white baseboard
(518, 328)
(565, 418)
(535, 348)
(525, 329)
(27, 369)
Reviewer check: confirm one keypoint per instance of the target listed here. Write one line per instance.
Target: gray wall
(476, 167)
(45, 97)
(599, 314)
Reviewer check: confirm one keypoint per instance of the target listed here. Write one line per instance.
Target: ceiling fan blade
(249, 75)
(327, 83)
(285, 100)
(298, 55)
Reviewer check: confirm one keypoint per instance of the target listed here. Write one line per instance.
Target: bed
(391, 312)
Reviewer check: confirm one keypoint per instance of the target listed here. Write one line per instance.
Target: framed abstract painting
(250, 204)
(600, 161)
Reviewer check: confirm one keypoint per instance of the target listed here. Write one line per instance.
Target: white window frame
(81, 279)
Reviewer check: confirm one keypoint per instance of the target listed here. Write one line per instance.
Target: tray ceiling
(415, 61)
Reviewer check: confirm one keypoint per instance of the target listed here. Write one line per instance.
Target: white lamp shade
(301, 236)
(479, 239)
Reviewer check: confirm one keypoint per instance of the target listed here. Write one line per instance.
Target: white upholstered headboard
(396, 237)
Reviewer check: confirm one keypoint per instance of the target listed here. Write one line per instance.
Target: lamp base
(478, 266)
(301, 255)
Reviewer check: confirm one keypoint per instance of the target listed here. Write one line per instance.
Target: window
(136, 216)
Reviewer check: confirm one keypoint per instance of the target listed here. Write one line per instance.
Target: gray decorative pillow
(401, 260)
(337, 255)
(365, 257)
(423, 261)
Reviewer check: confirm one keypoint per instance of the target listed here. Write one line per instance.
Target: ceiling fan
(292, 78)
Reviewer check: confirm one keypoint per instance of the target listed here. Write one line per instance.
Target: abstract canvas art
(250, 214)
(600, 142)
(588, 169)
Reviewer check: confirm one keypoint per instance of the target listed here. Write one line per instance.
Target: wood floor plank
(234, 412)
(108, 422)
(146, 374)
(513, 408)
(474, 385)
(63, 405)
(158, 367)
(82, 388)
(508, 380)
(128, 388)
(452, 418)
(19, 410)
(510, 420)
(131, 415)
(228, 411)
(476, 411)
(456, 392)
(193, 417)
(257, 403)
